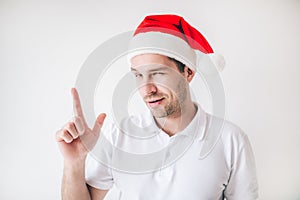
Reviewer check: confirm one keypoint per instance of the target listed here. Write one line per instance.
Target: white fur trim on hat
(164, 44)
(175, 47)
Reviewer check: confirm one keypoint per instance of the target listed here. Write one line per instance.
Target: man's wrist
(75, 164)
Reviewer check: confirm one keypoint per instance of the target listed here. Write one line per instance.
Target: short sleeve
(242, 183)
(97, 174)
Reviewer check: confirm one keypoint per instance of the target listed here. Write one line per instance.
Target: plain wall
(44, 43)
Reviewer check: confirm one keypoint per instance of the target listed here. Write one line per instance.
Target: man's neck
(176, 123)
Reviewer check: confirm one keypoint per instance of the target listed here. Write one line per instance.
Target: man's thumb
(99, 122)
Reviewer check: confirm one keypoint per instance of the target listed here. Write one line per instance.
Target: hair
(179, 64)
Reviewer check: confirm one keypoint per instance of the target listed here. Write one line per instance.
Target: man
(163, 61)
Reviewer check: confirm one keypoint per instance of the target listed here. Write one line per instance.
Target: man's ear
(189, 74)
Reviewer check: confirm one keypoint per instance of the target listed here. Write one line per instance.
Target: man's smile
(155, 102)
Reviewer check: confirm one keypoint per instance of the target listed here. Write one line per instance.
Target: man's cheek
(166, 84)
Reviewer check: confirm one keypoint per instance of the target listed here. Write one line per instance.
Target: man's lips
(154, 102)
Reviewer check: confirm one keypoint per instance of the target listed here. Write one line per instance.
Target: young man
(163, 61)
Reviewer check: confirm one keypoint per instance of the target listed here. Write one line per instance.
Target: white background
(44, 43)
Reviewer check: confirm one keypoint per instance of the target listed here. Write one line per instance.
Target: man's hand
(76, 138)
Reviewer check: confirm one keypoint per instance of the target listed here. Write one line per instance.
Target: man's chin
(158, 113)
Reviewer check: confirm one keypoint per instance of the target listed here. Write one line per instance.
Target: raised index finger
(76, 103)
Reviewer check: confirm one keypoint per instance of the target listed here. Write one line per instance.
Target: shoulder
(233, 140)
(226, 135)
(223, 136)
(230, 133)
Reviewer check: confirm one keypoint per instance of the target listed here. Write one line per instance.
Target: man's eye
(138, 75)
(158, 73)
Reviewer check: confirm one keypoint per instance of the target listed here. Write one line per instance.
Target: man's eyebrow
(159, 69)
(152, 70)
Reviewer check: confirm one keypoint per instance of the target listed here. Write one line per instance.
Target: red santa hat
(172, 36)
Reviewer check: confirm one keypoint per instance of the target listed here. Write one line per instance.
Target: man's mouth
(155, 102)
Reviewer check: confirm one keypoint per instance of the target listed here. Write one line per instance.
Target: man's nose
(148, 88)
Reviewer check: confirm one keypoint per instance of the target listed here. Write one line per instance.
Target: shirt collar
(197, 126)
(195, 129)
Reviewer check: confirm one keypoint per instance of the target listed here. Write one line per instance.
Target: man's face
(160, 83)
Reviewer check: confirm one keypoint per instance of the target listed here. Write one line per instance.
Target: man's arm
(74, 185)
(97, 193)
(243, 181)
(73, 140)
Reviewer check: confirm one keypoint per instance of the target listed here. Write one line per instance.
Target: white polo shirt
(211, 159)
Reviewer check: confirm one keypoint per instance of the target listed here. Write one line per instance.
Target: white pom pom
(218, 61)
(210, 64)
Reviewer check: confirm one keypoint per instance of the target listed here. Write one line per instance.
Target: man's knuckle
(77, 120)
(70, 125)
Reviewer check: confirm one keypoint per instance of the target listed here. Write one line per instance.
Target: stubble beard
(175, 107)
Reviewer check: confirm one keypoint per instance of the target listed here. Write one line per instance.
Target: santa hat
(172, 36)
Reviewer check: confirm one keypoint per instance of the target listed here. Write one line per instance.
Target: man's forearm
(73, 184)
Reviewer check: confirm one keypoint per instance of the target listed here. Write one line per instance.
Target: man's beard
(173, 108)
(168, 110)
